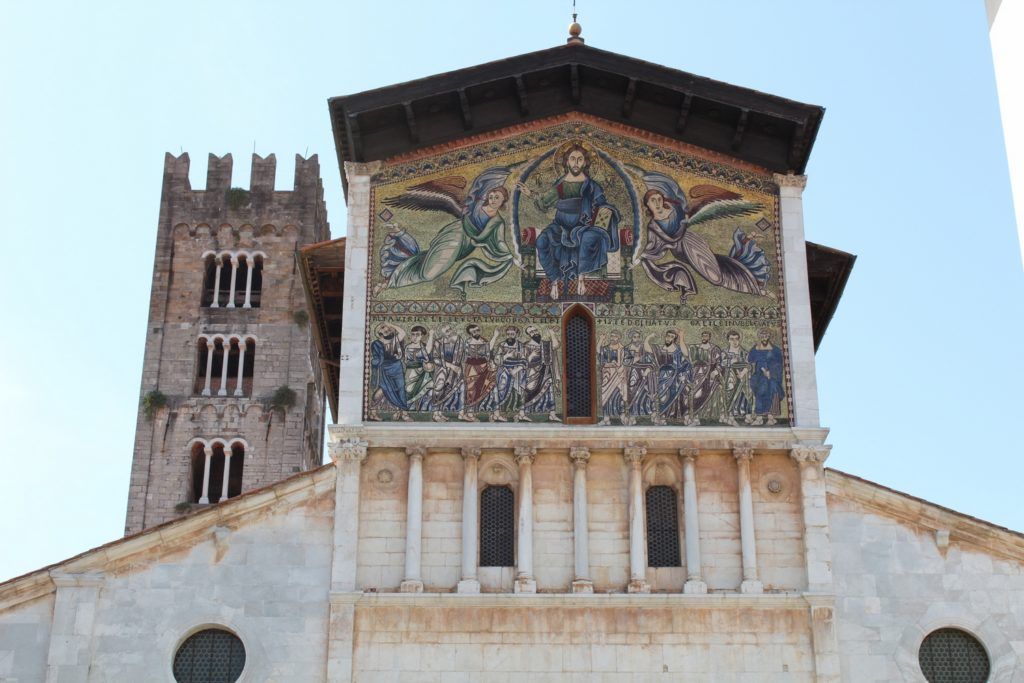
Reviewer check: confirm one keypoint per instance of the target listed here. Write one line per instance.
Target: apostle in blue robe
(766, 379)
(387, 373)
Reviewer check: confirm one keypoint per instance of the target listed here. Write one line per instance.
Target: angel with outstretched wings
(670, 217)
(475, 239)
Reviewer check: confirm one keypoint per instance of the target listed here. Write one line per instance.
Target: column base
(582, 586)
(525, 584)
(471, 586)
(751, 586)
(695, 587)
(639, 586)
(410, 586)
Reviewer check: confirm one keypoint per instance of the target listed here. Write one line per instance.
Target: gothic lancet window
(579, 387)
(662, 527)
(497, 527)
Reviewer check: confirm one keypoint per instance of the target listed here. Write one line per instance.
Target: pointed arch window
(579, 380)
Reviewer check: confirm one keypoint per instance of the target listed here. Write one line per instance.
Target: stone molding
(416, 452)
(810, 455)
(580, 455)
(352, 450)
(769, 601)
(554, 436)
(525, 454)
(790, 180)
(634, 455)
(74, 580)
(743, 453)
(367, 169)
(915, 512)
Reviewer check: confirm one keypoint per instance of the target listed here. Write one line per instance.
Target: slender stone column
(227, 474)
(798, 301)
(470, 522)
(357, 262)
(205, 498)
(226, 353)
(234, 276)
(691, 523)
(210, 346)
(580, 456)
(413, 582)
(817, 546)
(525, 582)
(250, 264)
(637, 528)
(241, 367)
(348, 457)
(216, 283)
(748, 543)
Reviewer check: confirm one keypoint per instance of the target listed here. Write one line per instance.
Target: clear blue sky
(919, 373)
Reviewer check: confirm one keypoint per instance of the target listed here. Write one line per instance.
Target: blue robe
(388, 374)
(571, 245)
(768, 393)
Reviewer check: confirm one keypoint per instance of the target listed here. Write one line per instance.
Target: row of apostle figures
(512, 376)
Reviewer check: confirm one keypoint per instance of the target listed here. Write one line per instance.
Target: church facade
(568, 343)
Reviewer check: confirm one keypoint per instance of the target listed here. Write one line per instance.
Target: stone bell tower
(232, 398)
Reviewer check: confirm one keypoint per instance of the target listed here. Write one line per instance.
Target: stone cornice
(916, 512)
(456, 436)
(118, 556)
(771, 601)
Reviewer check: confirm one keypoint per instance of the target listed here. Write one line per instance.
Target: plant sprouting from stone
(284, 398)
(152, 402)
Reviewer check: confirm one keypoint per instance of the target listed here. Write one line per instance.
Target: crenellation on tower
(229, 358)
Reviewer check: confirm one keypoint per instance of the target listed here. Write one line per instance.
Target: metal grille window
(579, 374)
(210, 656)
(950, 655)
(497, 527)
(662, 527)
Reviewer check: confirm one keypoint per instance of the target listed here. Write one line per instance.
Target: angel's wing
(444, 194)
(484, 183)
(702, 195)
(723, 208)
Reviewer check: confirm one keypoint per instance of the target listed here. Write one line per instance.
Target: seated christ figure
(585, 225)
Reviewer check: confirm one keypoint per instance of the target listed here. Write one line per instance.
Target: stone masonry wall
(192, 223)
(586, 641)
(896, 580)
(777, 514)
(24, 639)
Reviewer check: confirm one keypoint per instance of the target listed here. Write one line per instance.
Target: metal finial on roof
(575, 29)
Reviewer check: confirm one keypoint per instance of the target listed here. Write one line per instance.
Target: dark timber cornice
(762, 129)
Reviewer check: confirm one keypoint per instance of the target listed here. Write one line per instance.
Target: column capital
(525, 454)
(634, 455)
(580, 455)
(208, 450)
(790, 180)
(743, 453)
(352, 450)
(810, 455)
(416, 452)
(234, 260)
(367, 168)
(470, 453)
(689, 454)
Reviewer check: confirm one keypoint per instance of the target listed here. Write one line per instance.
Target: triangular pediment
(771, 132)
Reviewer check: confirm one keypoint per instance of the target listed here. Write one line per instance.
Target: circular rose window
(950, 655)
(212, 655)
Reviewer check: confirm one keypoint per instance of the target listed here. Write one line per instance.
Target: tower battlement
(219, 200)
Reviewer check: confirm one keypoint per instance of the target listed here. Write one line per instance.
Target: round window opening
(212, 655)
(950, 655)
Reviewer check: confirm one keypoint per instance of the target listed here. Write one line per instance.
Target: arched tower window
(224, 366)
(216, 471)
(580, 385)
(662, 527)
(497, 527)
